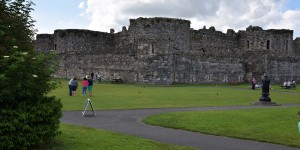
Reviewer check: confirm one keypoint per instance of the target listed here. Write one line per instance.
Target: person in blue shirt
(90, 87)
(74, 84)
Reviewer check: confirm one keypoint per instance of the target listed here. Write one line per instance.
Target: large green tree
(28, 117)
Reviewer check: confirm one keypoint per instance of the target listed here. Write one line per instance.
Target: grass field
(83, 138)
(276, 125)
(130, 96)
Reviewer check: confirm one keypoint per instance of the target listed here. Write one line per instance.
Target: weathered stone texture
(44, 42)
(166, 50)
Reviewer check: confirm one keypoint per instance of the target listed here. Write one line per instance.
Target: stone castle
(167, 50)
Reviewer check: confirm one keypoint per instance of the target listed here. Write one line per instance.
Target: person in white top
(70, 87)
(289, 85)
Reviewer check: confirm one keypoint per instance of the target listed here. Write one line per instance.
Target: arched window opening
(268, 44)
(287, 45)
(152, 48)
(248, 44)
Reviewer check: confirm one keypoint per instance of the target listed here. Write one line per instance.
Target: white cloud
(289, 19)
(223, 14)
(81, 5)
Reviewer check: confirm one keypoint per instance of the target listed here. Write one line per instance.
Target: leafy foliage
(27, 116)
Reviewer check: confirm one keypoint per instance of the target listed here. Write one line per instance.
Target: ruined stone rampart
(167, 50)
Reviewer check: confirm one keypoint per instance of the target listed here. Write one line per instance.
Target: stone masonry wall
(167, 50)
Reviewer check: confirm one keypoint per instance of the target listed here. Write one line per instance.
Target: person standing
(85, 84)
(294, 84)
(253, 82)
(86, 75)
(299, 121)
(74, 84)
(92, 75)
(70, 86)
(90, 87)
(97, 76)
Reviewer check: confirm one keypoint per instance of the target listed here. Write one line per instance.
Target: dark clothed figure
(92, 75)
(253, 82)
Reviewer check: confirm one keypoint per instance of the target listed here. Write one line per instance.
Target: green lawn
(83, 138)
(130, 96)
(274, 125)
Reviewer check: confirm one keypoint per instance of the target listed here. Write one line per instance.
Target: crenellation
(167, 50)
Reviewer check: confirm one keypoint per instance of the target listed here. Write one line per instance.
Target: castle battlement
(157, 20)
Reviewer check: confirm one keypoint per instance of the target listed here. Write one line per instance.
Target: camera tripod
(88, 101)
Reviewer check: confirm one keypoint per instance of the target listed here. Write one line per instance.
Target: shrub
(28, 117)
(30, 125)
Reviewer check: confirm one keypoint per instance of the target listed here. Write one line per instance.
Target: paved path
(130, 122)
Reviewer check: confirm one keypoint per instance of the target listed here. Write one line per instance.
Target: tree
(28, 117)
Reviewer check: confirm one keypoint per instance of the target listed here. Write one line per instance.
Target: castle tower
(159, 44)
(257, 39)
(44, 42)
(259, 45)
(296, 46)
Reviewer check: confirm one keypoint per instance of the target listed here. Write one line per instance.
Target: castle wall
(211, 41)
(166, 50)
(83, 51)
(157, 41)
(44, 42)
(256, 39)
(284, 69)
(296, 46)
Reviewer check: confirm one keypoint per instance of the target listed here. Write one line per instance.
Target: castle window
(268, 44)
(54, 46)
(152, 49)
(287, 45)
(248, 44)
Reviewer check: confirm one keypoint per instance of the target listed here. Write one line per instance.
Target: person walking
(70, 86)
(90, 87)
(85, 84)
(74, 84)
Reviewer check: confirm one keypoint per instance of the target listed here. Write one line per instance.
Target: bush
(30, 125)
(28, 117)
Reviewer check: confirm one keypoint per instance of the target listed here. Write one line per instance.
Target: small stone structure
(168, 50)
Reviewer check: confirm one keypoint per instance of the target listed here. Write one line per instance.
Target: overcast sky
(102, 15)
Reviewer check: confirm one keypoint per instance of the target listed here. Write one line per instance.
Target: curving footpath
(130, 122)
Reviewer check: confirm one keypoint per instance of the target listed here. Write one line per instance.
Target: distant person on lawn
(74, 84)
(70, 87)
(85, 84)
(299, 121)
(92, 75)
(253, 83)
(90, 87)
